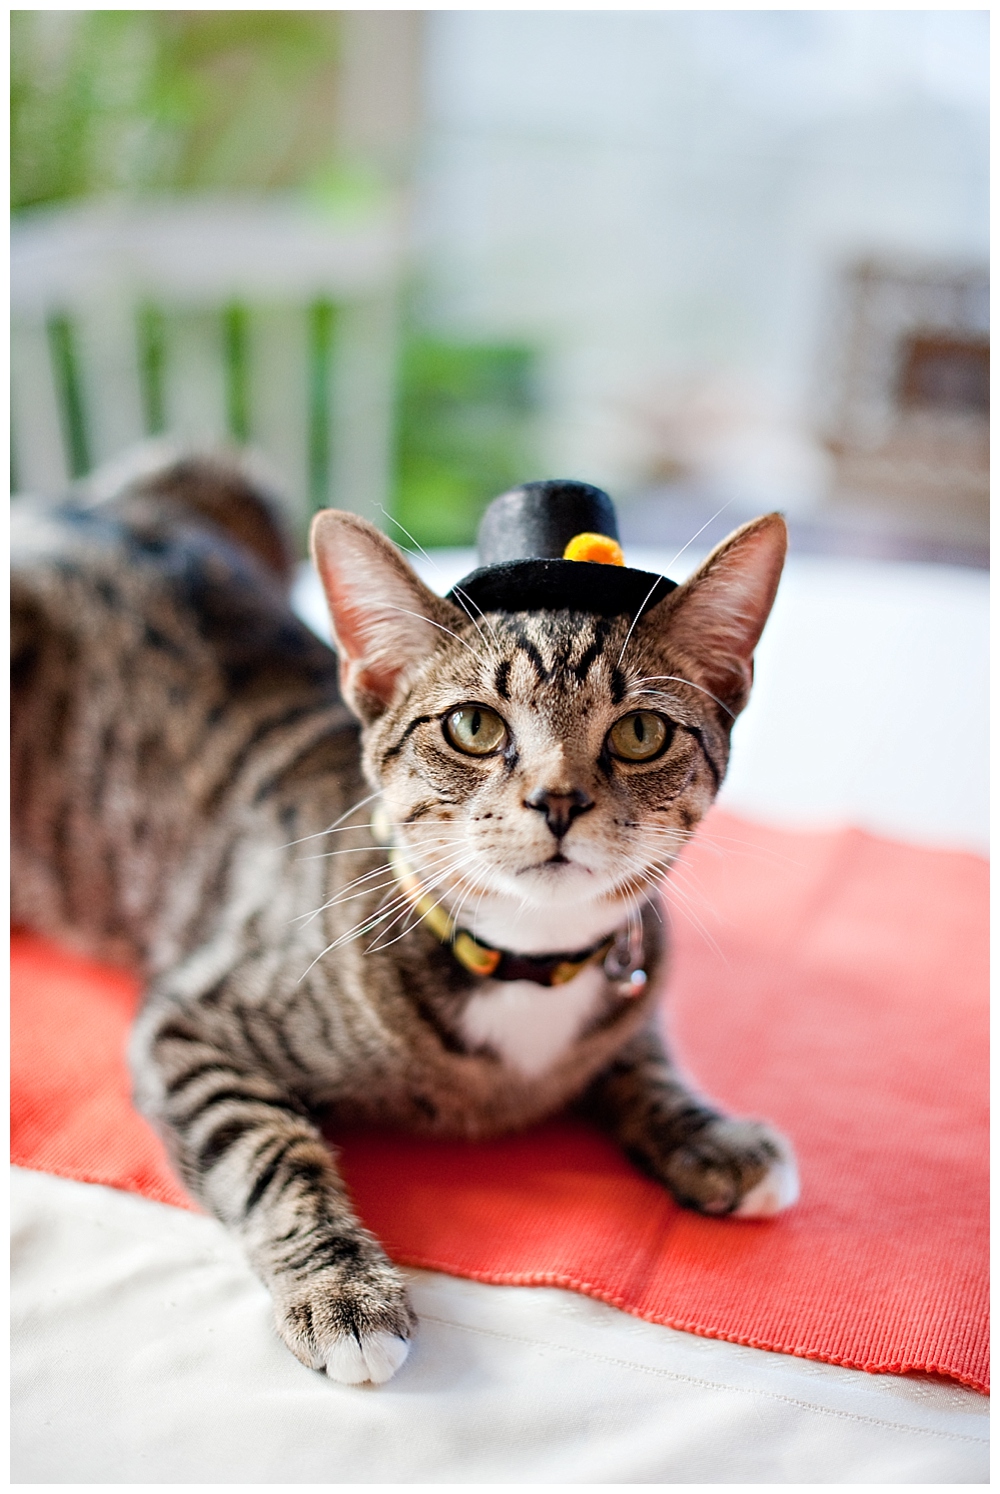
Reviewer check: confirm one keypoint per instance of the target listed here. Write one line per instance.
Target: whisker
(347, 894)
(429, 888)
(408, 612)
(367, 924)
(460, 596)
(691, 541)
(663, 577)
(635, 619)
(465, 602)
(713, 841)
(415, 542)
(673, 891)
(330, 828)
(683, 907)
(351, 851)
(307, 918)
(371, 847)
(457, 911)
(678, 679)
(379, 946)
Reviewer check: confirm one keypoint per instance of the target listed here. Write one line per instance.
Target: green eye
(476, 730)
(638, 737)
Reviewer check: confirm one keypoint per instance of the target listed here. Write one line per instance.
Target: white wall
(663, 200)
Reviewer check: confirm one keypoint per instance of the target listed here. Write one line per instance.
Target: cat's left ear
(385, 620)
(715, 619)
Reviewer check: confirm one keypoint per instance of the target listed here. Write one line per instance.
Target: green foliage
(136, 101)
(463, 434)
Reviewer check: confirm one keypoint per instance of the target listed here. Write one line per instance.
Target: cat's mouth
(555, 860)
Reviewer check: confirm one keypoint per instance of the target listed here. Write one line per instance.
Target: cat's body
(191, 796)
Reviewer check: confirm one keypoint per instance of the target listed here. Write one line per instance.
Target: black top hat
(555, 545)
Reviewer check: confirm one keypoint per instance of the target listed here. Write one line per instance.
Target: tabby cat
(193, 795)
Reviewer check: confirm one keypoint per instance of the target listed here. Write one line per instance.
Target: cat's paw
(777, 1190)
(355, 1325)
(734, 1167)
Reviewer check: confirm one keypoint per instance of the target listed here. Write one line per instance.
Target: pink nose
(560, 810)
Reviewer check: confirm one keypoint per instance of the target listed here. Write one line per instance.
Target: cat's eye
(639, 736)
(476, 730)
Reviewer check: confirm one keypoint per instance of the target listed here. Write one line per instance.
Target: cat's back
(106, 574)
(158, 678)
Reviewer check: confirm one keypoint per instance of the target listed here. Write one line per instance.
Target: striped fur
(191, 797)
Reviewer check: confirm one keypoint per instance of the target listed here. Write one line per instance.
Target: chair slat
(208, 320)
(41, 459)
(278, 360)
(362, 414)
(107, 342)
(194, 378)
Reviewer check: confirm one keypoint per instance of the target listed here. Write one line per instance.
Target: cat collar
(555, 545)
(621, 952)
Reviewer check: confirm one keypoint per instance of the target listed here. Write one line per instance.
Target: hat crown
(537, 520)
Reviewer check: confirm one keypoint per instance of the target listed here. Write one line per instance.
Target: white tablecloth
(143, 1352)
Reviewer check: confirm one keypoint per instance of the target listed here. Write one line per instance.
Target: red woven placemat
(835, 983)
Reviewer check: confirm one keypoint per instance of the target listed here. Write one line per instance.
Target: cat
(199, 792)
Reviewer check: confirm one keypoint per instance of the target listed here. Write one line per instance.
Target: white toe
(778, 1189)
(384, 1353)
(346, 1363)
(376, 1358)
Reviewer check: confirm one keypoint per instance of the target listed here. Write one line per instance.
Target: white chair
(207, 320)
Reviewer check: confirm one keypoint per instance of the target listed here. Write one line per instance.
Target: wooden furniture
(909, 426)
(258, 321)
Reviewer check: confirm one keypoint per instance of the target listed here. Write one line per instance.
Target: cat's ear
(714, 620)
(385, 620)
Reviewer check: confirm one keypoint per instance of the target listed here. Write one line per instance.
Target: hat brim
(562, 585)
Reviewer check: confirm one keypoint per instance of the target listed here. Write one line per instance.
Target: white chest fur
(528, 1025)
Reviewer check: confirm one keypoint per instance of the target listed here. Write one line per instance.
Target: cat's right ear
(385, 620)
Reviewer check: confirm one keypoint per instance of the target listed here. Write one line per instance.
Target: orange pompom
(597, 547)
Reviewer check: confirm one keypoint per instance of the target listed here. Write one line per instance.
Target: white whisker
(459, 595)
(408, 612)
(347, 894)
(701, 531)
(678, 679)
(379, 946)
(330, 828)
(680, 552)
(635, 619)
(366, 924)
(428, 888)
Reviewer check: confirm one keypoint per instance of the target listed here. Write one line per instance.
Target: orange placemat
(835, 983)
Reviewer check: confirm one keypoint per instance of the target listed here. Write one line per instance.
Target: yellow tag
(565, 971)
(474, 956)
(597, 547)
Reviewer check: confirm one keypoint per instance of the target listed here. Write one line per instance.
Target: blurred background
(702, 258)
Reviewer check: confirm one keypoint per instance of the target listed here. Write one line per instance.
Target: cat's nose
(560, 810)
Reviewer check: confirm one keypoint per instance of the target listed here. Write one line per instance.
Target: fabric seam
(774, 1395)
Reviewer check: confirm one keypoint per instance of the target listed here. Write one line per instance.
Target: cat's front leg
(710, 1162)
(249, 1152)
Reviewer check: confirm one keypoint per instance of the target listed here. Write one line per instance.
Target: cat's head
(550, 757)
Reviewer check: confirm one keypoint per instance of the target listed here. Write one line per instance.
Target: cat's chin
(558, 880)
(557, 903)
(549, 907)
